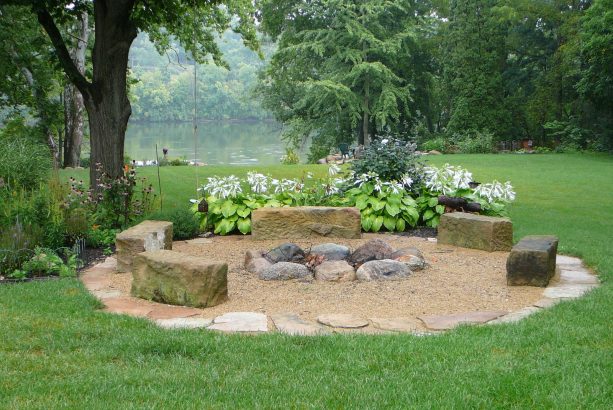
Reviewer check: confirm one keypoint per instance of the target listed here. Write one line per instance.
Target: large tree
(337, 65)
(116, 24)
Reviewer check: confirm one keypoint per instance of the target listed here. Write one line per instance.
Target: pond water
(219, 143)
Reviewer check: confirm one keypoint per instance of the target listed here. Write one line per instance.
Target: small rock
(251, 254)
(258, 265)
(291, 324)
(331, 251)
(183, 323)
(411, 257)
(338, 271)
(398, 324)
(446, 322)
(371, 250)
(322, 161)
(434, 152)
(288, 252)
(386, 269)
(285, 271)
(342, 320)
(241, 322)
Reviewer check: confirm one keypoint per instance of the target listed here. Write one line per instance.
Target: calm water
(229, 143)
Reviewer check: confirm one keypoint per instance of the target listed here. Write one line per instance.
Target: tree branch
(70, 68)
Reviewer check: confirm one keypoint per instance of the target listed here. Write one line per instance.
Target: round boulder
(336, 271)
(411, 257)
(386, 269)
(371, 250)
(288, 252)
(285, 271)
(331, 251)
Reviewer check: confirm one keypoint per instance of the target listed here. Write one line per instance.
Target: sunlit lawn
(56, 350)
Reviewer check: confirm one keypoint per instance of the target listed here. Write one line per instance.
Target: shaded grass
(57, 351)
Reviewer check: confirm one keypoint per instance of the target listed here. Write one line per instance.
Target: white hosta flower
(286, 185)
(258, 182)
(394, 187)
(496, 191)
(309, 175)
(378, 184)
(333, 169)
(331, 189)
(364, 178)
(406, 180)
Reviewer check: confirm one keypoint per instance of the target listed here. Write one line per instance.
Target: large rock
(532, 261)
(178, 279)
(411, 257)
(371, 250)
(386, 269)
(288, 252)
(335, 271)
(331, 251)
(305, 222)
(146, 236)
(476, 231)
(255, 262)
(285, 271)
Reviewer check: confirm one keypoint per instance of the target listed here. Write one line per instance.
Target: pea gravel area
(456, 280)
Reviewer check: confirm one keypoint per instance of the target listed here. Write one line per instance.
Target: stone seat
(532, 261)
(306, 222)
(146, 236)
(178, 279)
(476, 231)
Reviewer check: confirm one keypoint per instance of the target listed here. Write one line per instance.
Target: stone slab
(545, 303)
(515, 316)
(172, 312)
(342, 320)
(446, 322)
(397, 324)
(475, 231)
(174, 278)
(568, 261)
(305, 222)
(568, 290)
(292, 324)
(532, 261)
(240, 322)
(184, 323)
(128, 306)
(146, 236)
(578, 276)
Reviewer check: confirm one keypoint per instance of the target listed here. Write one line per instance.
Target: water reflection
(229, 143)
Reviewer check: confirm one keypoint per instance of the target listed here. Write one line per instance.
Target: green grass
(56, 350)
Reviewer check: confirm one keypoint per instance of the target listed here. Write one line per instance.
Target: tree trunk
(107, 105)
(73, 104)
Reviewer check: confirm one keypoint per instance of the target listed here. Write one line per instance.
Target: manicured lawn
(57, 351)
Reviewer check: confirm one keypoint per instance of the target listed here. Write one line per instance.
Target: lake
(227, 143)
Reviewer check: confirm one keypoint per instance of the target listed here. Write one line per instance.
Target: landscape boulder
(331, 251)
(287, 252)
(335, 271)
(532, 261)
(146, 236)
(285, 271)
(386, 269)
(305, 222)
(476, 231)
(371, 250)
(411, 257)
(174, 278)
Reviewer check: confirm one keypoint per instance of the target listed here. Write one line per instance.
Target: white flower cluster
(393, 186)
(258, 182)
(223, 187)
(286, 185)
(447, 179)
(496, 191)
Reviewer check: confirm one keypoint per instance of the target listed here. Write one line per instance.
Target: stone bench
(476, 231)
(532, 261)
(146, 236)
(306, 222)
(178, 279)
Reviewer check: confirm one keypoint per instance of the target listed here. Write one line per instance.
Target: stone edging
(572, 280)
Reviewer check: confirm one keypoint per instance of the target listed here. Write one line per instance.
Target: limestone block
(532, 261)
(305, 222)
(178, 279)
(476, 231)
(146, 236)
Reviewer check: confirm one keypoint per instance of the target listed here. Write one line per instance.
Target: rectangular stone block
(178, 279)
(306, 222)
(146, 236)
(532, 261)
(476, 231)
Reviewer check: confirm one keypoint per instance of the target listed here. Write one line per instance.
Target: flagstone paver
(446, 322)
(292, 324)
(546, 302)
(516, 316)
(169, 312)
(342, 320)
(184, 323)
(568, 290)
(397, 324)
(128, 306)
(578, 276)
(240, 322)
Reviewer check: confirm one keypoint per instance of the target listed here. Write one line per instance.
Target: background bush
(185, 225)
(473, 142)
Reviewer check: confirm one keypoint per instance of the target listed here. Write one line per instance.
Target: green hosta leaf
(411, 216)
(361, 202)
(392, 209)
(377, 223)
(433, 223)
(244, 225)
(394, 199)
(428, 214)
(389, 223)
(376, 204)
(408, 201)
(243, 212)
(440, 209)
(228, 208)
(400, 225)
(367, 222)
(252, 204)
(432, 202)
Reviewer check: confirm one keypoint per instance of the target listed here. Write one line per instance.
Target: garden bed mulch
(456, 280)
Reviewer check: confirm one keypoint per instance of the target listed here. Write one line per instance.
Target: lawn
(56, 350)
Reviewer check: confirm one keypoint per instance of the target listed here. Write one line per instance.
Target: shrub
(435, 144)
(473, 142)
(391, 159)
(25, 162)
(320, 148)
(291, 157)
(184, 223)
